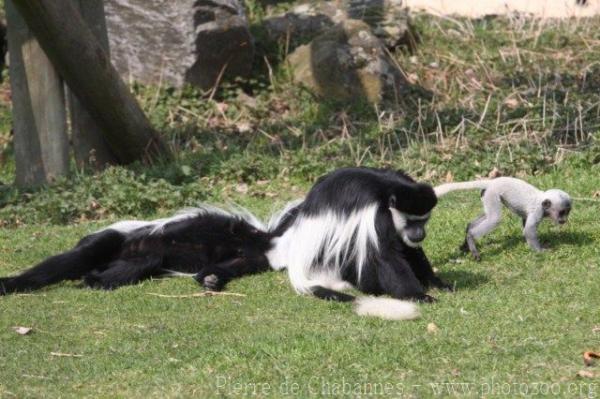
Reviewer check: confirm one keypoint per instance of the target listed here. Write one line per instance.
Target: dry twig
(197, 294)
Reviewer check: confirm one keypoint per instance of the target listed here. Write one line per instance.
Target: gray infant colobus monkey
(523, 199)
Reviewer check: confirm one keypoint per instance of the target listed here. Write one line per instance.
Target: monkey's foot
(471, 247)
(5, 285)
(210, 281)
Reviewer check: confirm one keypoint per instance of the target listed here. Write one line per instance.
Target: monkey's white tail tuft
(386, 308)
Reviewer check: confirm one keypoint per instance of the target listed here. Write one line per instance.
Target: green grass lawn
(517, 323)
(514, 94)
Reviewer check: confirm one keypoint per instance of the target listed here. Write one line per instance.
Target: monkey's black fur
(392, 268)
(347, 189)
(214, 247)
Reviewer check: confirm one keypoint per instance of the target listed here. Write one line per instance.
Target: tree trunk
(39, 117)
(85, 66)
(89, 146)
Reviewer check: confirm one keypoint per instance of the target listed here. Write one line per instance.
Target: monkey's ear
(392, 201)
(546, 204)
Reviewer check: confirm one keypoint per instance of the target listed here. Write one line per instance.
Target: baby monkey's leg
(469, 244)
(484, 224)
(530, 231)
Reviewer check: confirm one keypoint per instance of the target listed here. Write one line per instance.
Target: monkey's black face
(410, 227)
(415, 230)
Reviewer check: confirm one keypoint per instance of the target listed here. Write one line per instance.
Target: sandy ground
(479, 8)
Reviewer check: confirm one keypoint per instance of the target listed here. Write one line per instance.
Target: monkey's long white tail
(386, 308)
(445, 188)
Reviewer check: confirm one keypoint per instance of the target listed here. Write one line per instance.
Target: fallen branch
(197, 294)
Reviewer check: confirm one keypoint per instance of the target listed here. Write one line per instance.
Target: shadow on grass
(464, 280)
(570, 238)
(503, 245)
(551, 239)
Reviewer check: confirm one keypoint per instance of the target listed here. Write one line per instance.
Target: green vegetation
(511, 94)
(516, 318)
(523, 97)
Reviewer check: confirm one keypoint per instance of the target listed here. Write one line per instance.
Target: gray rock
(346, 63)
(388, 19)
(305, 21)
(179, 41)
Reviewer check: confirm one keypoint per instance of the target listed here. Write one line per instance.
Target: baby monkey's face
(560, 215)
(557, 206)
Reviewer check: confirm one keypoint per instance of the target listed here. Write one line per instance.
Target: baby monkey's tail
(445, 188)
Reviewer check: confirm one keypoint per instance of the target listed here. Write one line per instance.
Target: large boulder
(346, 63)
(389, 20)
(179, 41)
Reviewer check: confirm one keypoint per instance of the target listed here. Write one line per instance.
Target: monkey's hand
(530, 233)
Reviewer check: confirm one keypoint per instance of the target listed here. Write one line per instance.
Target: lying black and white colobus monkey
(212, 245)
(529, 203)
(360, 227)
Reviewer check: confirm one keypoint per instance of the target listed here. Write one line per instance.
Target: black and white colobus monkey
(360, 227)
(212, 245)
(357, 227)
(529, 203)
